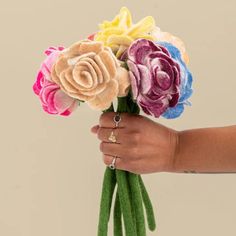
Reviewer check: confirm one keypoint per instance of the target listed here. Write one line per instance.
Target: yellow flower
(119, 33)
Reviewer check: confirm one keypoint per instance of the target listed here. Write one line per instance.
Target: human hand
(143, 146)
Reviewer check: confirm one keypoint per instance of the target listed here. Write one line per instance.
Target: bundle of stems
(131, 196)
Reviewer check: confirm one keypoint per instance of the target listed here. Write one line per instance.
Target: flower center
(163, 80)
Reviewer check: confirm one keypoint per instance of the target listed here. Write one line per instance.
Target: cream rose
(90, 72)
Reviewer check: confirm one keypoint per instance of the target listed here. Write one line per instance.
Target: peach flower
(90, 72)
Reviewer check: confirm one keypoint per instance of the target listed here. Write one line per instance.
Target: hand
(142, 146)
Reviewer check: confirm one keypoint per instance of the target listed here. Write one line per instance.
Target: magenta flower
(54, 101)
(154, 75)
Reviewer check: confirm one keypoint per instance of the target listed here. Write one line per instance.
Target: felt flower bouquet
(141, 66)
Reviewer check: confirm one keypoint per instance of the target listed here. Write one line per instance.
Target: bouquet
(143, 68)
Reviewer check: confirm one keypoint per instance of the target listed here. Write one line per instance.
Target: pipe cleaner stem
(125, 202)
(137, 204)
(132, 202)
(123, 186)
(108, 187)
(148, 206)
(117, 217)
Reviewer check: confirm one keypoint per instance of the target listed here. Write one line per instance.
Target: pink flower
(154, 75)
(54, 101)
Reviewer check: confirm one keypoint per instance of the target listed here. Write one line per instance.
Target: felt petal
(109, 63)
(61, 64)
(163, 80)
(37, 86)
(72, 61)
(139, 49)
(133, 67)
(68, 87)
(52, 49)
(82, 76)
(103, 100)
(146, 25)
(62, 102)
(174, 100)
(91, 46)
(90, 69)
(73, 50)
(123, 81)
(46, 109)
(45, 92)
(96, 68)
(54, 76)
(70, 109)
(146, 79)
(71, 80)
(134, 85)
(50, 60)
(172, 113)
(120, 40)
(105, 73)
(80, 96)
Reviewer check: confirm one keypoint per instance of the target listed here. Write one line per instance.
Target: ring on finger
(112, 137)
(112, 166)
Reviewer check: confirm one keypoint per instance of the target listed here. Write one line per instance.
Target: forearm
(206, 150)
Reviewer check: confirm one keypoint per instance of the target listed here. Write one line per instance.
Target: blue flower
(185, 84)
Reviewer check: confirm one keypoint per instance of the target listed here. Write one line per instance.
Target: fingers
(107, 119)
(121, 150)
(123, 164)
(112, 149)
(94, 129)
(119, 164)
(105, 133)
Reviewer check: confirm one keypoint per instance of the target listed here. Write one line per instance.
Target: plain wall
(51, 168)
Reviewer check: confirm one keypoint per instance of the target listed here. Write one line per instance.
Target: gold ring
(112, 137)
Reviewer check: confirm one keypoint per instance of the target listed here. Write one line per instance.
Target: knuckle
(135, 151)
(136, 137)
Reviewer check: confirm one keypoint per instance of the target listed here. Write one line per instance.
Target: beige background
(51, 168)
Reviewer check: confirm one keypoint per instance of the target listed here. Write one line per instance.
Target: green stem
(125, 202)
(117, 225)
(131, 196)
(108, 187)
(138, 204)
(123, 186)
(148, 206)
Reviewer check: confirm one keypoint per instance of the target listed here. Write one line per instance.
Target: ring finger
(119, 163)
(115, 135)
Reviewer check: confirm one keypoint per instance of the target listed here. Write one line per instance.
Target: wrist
(175, 153)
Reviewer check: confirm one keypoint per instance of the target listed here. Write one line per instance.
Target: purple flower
(154, 76)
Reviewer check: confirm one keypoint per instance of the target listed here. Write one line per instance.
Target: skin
(144, 146)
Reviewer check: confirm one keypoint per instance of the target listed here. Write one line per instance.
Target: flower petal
(103, 100)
